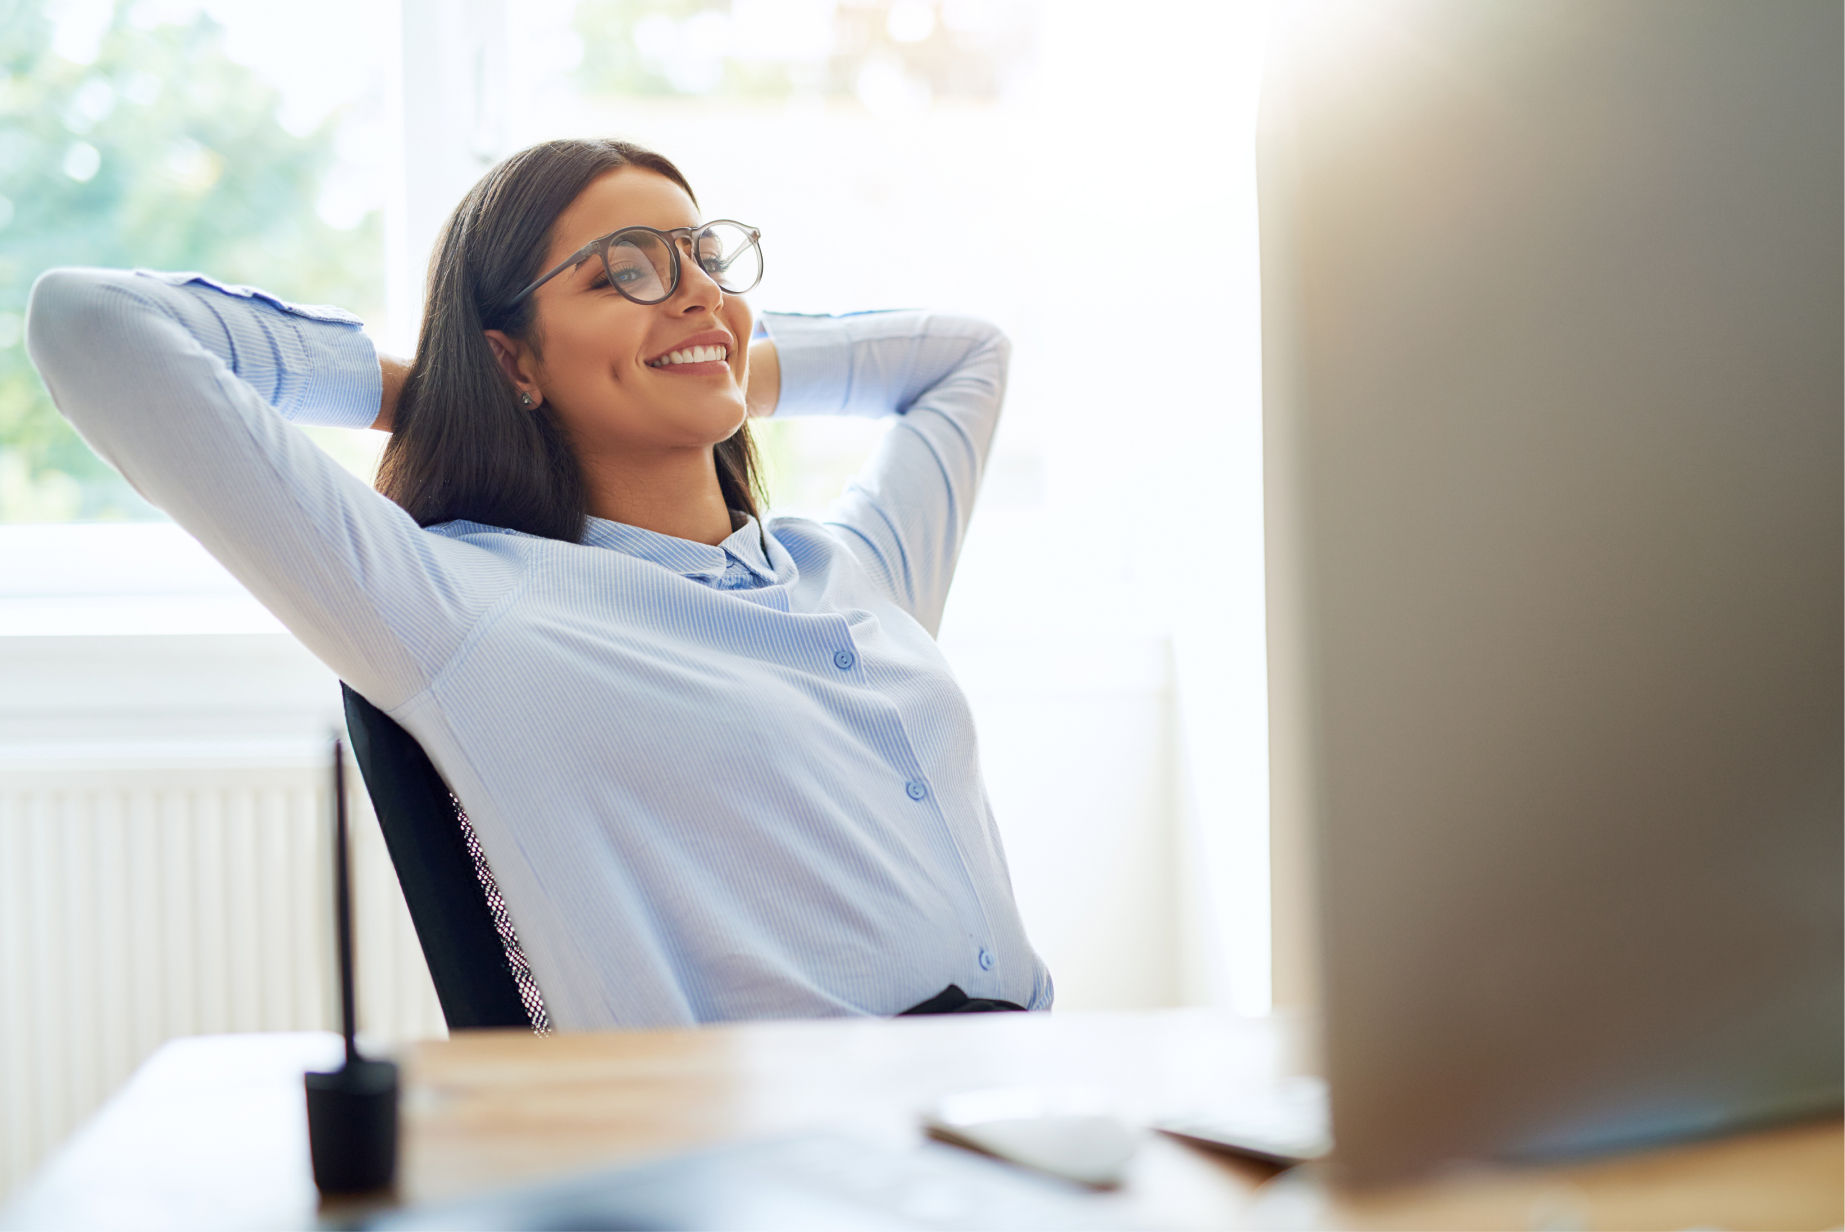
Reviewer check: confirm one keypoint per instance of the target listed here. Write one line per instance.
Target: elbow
(982, 337)
(71, 316)
(994, 339)
(67, 300)
(57, 295)
(1002, 347)
(994, 345)
(983, 333)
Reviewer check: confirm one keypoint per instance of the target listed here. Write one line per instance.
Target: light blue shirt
(712, 782)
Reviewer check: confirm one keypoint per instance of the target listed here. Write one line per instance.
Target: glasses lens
(730, 256)
(640, 266)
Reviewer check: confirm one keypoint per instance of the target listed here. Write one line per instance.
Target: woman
(718, 768)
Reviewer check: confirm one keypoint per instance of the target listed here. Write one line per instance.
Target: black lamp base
(352, 1126)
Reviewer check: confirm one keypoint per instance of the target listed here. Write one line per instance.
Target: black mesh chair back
(480, 972)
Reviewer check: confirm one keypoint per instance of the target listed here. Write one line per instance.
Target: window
(849, 132)
(175, 136)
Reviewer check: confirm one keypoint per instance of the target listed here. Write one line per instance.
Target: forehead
(625, 197)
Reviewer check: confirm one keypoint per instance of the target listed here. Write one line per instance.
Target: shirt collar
(703, 561)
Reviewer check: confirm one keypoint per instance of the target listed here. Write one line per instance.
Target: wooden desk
(209, 1133)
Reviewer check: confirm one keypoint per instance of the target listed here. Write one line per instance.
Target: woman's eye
(625, 276)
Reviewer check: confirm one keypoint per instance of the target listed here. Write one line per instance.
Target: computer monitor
(1552, 311)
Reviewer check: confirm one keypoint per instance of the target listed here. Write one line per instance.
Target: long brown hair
(461, 445)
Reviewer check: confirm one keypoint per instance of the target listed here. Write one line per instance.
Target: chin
(716, 425)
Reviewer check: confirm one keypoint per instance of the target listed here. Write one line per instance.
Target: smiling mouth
(692, 355)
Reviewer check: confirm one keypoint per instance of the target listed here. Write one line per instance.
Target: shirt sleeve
(906, 513)
(186, 387)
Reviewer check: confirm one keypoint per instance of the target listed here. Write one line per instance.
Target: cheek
(740, 318)
(592, 351)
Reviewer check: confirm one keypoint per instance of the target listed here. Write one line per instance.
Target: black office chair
(479, 969)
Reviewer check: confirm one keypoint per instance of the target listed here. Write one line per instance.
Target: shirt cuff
(816, 361)
(346, 386)
(314, 364)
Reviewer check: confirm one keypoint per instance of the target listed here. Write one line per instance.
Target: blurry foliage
(613, 62)
(162, 153)
(776, 49)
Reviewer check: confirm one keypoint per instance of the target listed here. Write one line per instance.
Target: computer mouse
(1056, 1134)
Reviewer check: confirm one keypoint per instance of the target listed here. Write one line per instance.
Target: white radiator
(152, 892)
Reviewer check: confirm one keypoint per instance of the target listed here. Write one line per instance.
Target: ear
(517, 362)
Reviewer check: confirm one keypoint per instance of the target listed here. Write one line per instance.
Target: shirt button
(986, 959)
(915, 790)
(844, 659)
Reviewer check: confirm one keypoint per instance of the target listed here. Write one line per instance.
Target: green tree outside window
(949, 49)
(162, 153)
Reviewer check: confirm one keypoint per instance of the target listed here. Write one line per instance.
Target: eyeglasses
(643, 262)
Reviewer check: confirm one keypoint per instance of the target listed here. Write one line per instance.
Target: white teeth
(693, 355)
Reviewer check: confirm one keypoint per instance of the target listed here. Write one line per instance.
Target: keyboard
(1291, 1125)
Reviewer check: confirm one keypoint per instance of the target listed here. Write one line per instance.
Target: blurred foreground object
(1552, 360)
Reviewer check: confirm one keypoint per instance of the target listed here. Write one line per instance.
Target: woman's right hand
(765, 379)
(393, 370)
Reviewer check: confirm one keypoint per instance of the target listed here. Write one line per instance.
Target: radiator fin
(141, 904)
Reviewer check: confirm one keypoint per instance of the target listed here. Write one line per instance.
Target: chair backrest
(479, 970)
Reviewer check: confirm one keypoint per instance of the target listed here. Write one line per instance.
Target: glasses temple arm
(574, 259)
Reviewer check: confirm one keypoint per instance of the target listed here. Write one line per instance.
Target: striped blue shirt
(713, 782)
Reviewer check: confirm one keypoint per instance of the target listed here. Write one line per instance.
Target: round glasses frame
(599, 247)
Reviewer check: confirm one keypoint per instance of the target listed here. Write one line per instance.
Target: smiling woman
(531, 407)
(718, 767)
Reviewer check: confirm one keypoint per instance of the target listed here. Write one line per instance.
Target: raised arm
(906, 513)
(187, 386)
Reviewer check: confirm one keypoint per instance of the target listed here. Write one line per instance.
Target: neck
(675, 494)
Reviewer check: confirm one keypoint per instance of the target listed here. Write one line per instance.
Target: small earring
(525, 400)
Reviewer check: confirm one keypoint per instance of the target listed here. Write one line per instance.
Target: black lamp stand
(352, 1111)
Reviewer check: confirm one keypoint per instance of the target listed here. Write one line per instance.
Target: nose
(697, 291)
